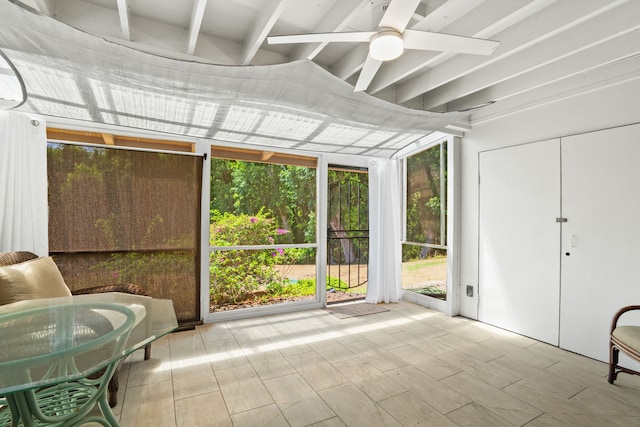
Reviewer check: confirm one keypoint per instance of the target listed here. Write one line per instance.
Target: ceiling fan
(391, 37)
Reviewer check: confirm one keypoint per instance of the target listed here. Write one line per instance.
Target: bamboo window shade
(127, 216)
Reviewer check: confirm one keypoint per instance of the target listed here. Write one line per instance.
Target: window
(424, 252)
(263, 230)
(125, 216)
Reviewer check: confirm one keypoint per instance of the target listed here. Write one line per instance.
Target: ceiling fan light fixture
(386, 45)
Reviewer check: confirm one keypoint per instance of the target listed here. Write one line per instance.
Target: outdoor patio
(405, 366)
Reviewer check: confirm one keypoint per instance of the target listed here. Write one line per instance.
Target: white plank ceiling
(548, 48)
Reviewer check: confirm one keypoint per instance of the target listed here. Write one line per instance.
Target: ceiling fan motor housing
(386, 45)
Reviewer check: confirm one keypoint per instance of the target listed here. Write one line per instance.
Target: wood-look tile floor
(408, 366)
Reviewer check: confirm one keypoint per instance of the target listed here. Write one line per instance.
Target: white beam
(420, 145)
(351, 63)
(271, 11)
(584, 61)
(506, 15)
(446, 16)
(439, 18)
(151, 36)
(196, 22)
(89, 17)
(123, 12)
(459, 126)
(596, 80)
(339, 16)
(536, 28)
(45, 6)
(615, 23)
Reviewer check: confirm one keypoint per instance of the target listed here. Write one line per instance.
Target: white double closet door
(559, 237)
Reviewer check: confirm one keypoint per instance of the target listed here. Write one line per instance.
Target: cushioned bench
(24, 275)
(623, 338)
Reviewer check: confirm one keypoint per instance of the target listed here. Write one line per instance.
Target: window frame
(252, 155)
(142, 145)
(451, 306)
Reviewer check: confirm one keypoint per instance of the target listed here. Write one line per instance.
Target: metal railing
(348, 256)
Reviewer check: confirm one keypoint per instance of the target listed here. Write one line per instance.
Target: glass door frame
(451, 306)
(207, 316)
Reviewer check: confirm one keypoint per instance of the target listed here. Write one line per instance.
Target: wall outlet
(469, 290)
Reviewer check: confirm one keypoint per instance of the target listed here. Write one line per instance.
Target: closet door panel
(601, 238)
(519, 241)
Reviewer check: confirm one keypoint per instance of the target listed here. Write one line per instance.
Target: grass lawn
(429, 274)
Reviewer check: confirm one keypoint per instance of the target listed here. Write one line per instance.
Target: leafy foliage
(239, 274)
(336, 283)
(306, 287)
(288, 192)
(259, 204)
(424, 209)
(423, 195)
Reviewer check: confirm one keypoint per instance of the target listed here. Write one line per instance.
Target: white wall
(606, 107)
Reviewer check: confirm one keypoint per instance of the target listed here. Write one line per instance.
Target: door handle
(572, 242)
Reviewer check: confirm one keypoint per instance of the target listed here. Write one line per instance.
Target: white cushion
(630, 335)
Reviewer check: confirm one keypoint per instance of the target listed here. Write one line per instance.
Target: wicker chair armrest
(127, 288)
(10, 258)
(619, 313)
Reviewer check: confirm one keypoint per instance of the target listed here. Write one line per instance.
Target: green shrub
(337, 283)
(303, 287)
(236, 274)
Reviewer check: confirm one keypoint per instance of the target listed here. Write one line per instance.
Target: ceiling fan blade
(367, 73)
(355, 36)
(426, 40)
(399, 14)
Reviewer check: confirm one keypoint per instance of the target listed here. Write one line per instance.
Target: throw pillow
(36, 278)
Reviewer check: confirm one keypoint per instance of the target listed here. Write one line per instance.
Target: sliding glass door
(262, 233)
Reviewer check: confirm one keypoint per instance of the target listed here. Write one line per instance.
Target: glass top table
(55, 341)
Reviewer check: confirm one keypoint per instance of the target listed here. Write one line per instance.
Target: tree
(424, 208)
(287, 192)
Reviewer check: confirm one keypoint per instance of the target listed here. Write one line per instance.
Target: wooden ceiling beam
(266, 155)
(118, 140)
(197, 14)
(230, 153)
(108, 139)
(537, 21)
(271, 11)
(45, 6)
(123, 13)
(615, 32)
(413, 61)
(350, 63)
(445, 14)
(339, 16)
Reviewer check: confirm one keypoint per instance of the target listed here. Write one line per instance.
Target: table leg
(22, 406)
(107, 412)
(13, 411)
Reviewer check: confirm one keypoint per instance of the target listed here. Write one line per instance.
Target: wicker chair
(626, 339)
(10, 258)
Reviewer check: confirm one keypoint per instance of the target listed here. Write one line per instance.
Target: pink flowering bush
(238, 274)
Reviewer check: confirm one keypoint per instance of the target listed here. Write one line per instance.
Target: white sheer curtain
(23, 184)
(384, 225)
